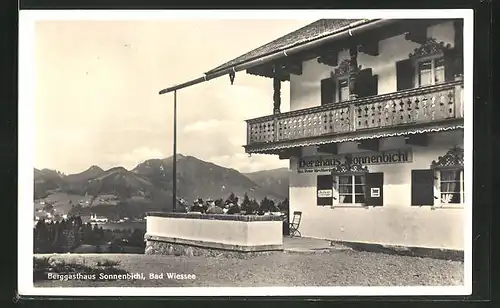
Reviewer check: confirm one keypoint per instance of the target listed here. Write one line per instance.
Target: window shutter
(324, 191)
(374, 189)
(449, 65)
(327, 91)
(422, 187)
(374, 85)
(363, 83)
(405, 74)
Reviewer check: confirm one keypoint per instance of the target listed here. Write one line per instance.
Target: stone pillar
(353, 71)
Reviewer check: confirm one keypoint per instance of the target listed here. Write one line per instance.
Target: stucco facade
(305, 89)
(397, 221)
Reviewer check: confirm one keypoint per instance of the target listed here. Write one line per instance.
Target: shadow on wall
(394, 174)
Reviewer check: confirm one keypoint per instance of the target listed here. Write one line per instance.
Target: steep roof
(316, 30)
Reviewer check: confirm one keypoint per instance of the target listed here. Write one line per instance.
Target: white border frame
(27, 21)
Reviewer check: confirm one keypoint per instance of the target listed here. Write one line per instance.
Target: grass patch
(107, 263)
(45, 265)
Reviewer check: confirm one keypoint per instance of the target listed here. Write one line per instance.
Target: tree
(48, 208)
(219, 202)
(251, 208)
(265, 205)
(232, 198)
(246, 200)
(283, 206)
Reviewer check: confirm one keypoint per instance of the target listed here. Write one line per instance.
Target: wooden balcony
(405, 109)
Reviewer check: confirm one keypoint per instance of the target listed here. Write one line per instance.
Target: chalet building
(375, 130)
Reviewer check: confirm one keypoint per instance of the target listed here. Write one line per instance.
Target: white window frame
(438, 199)
(353, 194)
(432, 58)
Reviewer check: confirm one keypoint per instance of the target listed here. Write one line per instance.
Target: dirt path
(336, 268)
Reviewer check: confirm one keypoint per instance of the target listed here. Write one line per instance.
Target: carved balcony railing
(415, 106)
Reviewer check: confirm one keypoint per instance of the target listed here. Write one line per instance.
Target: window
(336, 88)
(451, 186)
(351, 189)
(430, 71)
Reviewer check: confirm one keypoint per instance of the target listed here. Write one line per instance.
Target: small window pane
(450, 175)
(344, 94)
(439, 75)
(359, 179)
(345, 179)
(450, 187)
(345, 189)
(425, 65)
(359, 189)
(425, 72)
(439, 63)
(346, 199)
(359, 199)
(452, 198)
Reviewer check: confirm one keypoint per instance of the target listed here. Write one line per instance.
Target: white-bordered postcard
(245, 153)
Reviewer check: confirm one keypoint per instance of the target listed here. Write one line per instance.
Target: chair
(294, 225)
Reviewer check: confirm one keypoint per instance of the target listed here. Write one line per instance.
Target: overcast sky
(97, 83)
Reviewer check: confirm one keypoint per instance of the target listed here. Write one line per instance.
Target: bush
(107, 263)
(43, 266)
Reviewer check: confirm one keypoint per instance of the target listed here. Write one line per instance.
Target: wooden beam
(370, 145)
(288, 153)
(370, 48)
(417, 35)
(277, 91)
(293, 67)
(330, 148)
(328, 60)
(328, 55)
(267, 71)
(421, 140)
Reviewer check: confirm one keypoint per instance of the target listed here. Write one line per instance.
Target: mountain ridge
(148, 185)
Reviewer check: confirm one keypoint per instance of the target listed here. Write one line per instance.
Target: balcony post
(459, 101)
(352, 117)
(249, 135)
(277, 89)
(276, 132)
(353, 71)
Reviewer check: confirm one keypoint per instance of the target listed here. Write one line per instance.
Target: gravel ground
(335, 268)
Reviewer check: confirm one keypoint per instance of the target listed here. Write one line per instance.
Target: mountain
(91, 173)
(276, 180)
(47, 180)
(200, 179)
(148, 186)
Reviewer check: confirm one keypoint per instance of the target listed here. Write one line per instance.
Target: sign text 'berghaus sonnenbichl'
(326, 163)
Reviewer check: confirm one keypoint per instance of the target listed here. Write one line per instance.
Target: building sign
(375, 192)
(325, 193)
(326, 163)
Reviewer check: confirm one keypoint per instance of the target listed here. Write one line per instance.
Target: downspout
(352, 30)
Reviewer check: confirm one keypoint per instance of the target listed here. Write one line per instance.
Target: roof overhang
(349, 31)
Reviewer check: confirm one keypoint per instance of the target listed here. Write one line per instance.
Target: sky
(97, 83)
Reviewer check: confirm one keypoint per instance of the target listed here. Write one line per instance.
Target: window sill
(447, 206)
(350, 206)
